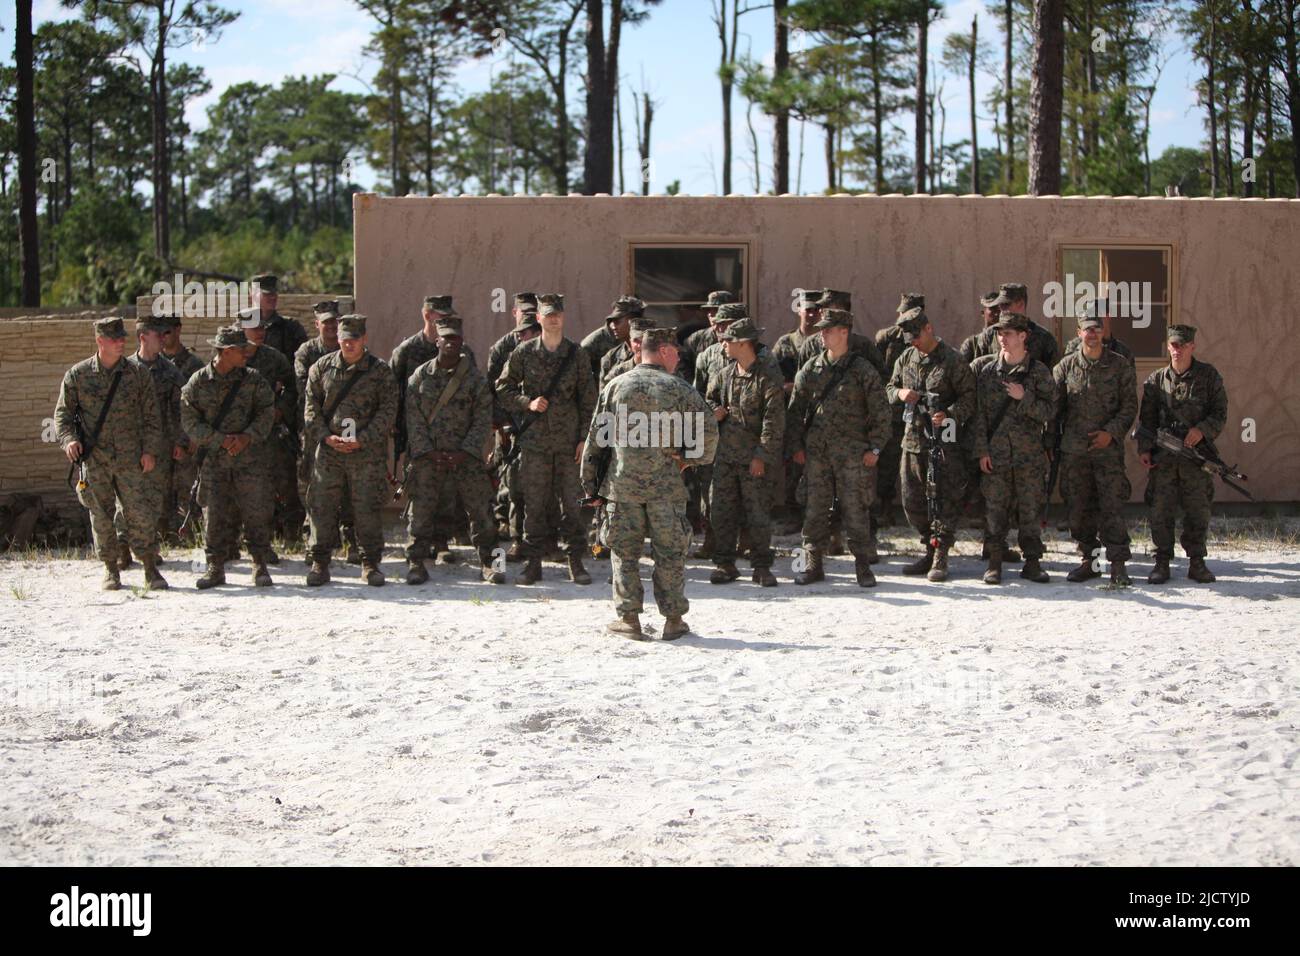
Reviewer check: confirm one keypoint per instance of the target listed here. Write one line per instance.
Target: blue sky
(676, 52)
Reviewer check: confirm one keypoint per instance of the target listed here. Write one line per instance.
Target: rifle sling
(343, 393)
(449, 390)
(93, 437)
(222, 410)
(550, 389)
(834, 380)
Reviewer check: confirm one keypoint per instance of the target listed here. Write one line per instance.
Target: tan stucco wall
(1237, 272)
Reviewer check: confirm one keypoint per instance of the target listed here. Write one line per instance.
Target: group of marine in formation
(824, 430)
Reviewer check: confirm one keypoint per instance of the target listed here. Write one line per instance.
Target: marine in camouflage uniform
(284, 445)
(350, 437)
(448, 421)
(1194, 400)
(183, 469)
(510, 493)
(168, 382)
(749, 397)
(117, 466)
(1096, 405)
(988, 318)
(1015, 398)
(641, 485)
(282, 334)
(409, 355)
(326, 314)
(700, 335)
(786, 353)
(891, 343)
(556, 428)
(1108, 341)
(614, 332)
(1040, 343)
(931, 378)
(235, 484)
(838, 421)
(973, 506)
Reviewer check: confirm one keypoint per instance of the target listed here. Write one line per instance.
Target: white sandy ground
(464, 723)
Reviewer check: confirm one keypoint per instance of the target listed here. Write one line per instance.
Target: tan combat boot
(318, 574)
(372, 575)
(577, 573)
(214, 575)
(153, 580)
(416, 572)
(1198, 572)
(674, 627)
(814, 572)
(628, 625)
(939, 568)
(112, 577)
(261, 574)
(532, 572)
(922, 565)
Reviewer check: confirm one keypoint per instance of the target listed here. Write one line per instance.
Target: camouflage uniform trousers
(1177, 483)
(887, 477)
(289, 512)
(235, 491)
(429, 488)
(1014, 493)
(546, 477)
(737, 500)
(699, 481)
(952, 488)
(360, 481)
(627, 525)
(1095, 489)
(157, 483)
(110, 480)
(842, 479)
(346, 525)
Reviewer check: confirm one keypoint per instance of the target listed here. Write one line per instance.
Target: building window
(674, 279)
(1136, 282)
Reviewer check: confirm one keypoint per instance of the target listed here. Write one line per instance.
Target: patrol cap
(250, 318)
(1010, 292)
(550, 303)
(352, 326)
(173, 320)
(447, 326)
(654, 339)
(640, 324)
(742, 330)
(717, 298)
(528, 319)
(834, 299)
(988, 300)
(808, 298)
(526, 301)
(1181, 333)
(912, 321)
(440, 304)
(833, 318)
(626, 305)
(152, 323)
(110, 328)
(1012, 320)
(730, 312)
(328, 309)
(910, 300)
(229, 337)
(1089, 321)
(267, 282)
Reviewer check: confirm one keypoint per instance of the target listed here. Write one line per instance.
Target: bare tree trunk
(922, 55)
(1007, 78)
(561, 170)
(878, 118)
(781, 121)
(1045, 95)
(161, 158)
(29, 258)
(974, 129)
(1270, 180)
(598, 165)
(1292, 87)
(1213, 111)
(618, 125)
(647, 117)
(830, 158)
(720, 20)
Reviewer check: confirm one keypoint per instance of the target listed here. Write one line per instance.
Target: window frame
(1145, 364)
(747, 244)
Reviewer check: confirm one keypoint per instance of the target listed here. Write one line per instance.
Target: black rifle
(88, 441)
(1204, 455)
(515, 446)
(202, 453)
(1054, 467)
(936, 457)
